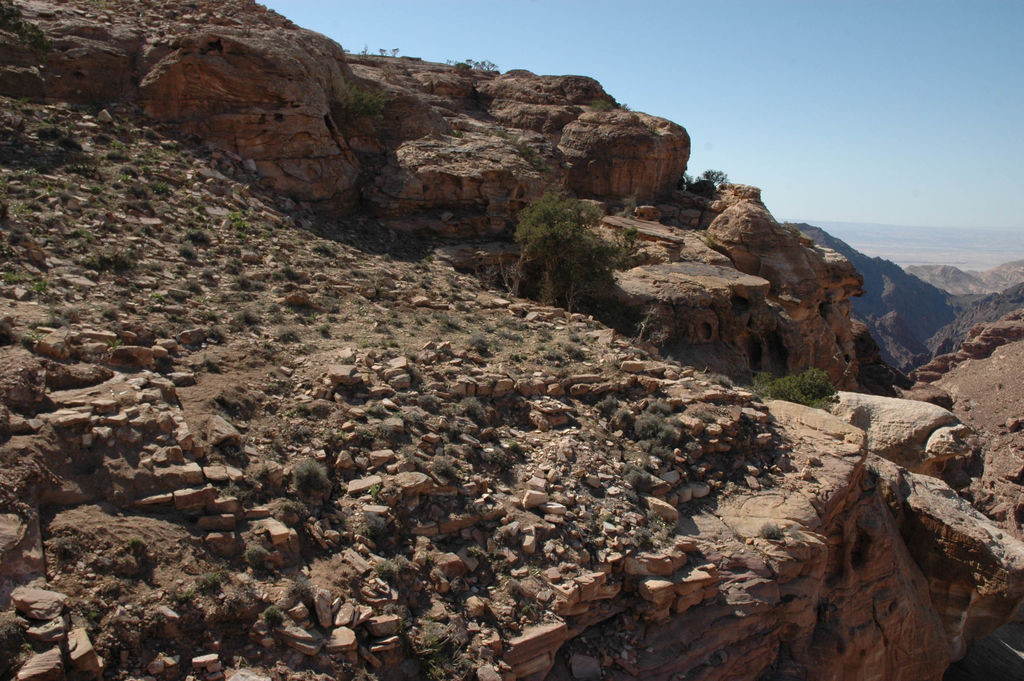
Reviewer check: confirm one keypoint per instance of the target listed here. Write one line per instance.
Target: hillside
(271, 409)
(901, 310)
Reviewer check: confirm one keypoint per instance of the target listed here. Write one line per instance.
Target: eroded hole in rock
(861, 551)
(213, 46)
(754, 354)
(705, 332)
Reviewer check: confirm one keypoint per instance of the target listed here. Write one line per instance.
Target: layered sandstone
(747, 292)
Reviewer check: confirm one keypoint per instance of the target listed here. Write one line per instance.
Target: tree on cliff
(706, 184)
(562, 259)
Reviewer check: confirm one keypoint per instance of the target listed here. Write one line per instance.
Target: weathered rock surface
(917, 435)
(745, 293)
(616, 154)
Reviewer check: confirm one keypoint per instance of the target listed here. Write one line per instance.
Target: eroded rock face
(471, 143)
(269, 95)
(616, 154)
(746, 294)
(811, 285)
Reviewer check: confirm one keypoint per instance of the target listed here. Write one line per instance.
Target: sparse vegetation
(812, 388)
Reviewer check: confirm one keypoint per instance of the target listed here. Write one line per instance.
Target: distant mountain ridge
(964, 282)
(901, 310)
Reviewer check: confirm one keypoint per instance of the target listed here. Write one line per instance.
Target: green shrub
(563, 260)
(812, 388)
(256, 557)
(359, 102)
(273, 616)
(310, 478)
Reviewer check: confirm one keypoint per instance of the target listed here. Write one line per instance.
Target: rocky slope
(983, 379)
(446, 151)
(242, 439)
(901, 310)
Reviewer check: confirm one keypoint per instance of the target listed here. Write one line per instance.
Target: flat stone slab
(38, 604)
(362, 485)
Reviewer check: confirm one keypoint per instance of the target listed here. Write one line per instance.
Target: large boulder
(917, 435)
(615, 154)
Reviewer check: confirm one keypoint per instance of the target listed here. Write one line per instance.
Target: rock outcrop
(917, 435)
(748, 294)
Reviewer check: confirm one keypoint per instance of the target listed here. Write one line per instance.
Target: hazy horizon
(968, 248)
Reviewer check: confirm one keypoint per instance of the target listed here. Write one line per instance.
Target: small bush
(273, 616)
(772, 531)
(210, 581)
(310, 478)
(638, 479)
(392, 569)
(607, 406)
(12, 636)
(359, 102)
(301, 590)
(373, 526)
(471, 407)
(256, 557)
(812, 388)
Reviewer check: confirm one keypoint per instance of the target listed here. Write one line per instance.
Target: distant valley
(966, 248)
(920, 311)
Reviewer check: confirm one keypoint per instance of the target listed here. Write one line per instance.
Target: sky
(896, 112)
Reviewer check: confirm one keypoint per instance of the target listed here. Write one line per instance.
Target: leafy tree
(562, 258)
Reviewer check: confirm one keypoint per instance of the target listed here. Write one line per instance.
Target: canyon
(268, 410)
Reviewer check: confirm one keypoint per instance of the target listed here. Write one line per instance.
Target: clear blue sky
(905, 113)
